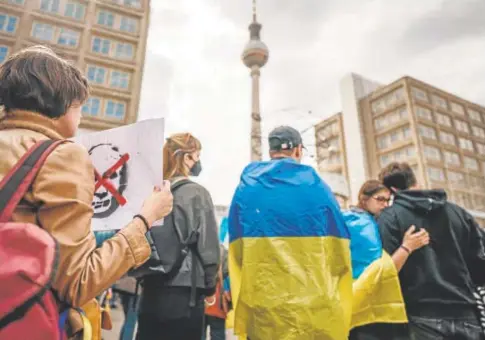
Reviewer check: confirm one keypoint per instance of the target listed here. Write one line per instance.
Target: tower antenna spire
(254, 10)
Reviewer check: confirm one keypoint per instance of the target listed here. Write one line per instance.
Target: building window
(106, 18)
(16, 2)
(419, 94)
(470, 163)
(120, 79)
(478, 132)
(8, 23)
(128, 24)
(130, 3)
(392, 137)
(426, 131)
(423, 113)
(92, 106)
(50, 5)
(456, 177)
(398, 155)
(101, 45)
(457, 108)
(114, 109)
(97, 74)
(443, 119)
(432, 153)
(476, 183)
(440, 102)
(480, 148)
(378, 106)
(475, 115)
(43, 31)
(391, 118)
(461, 126)
(75, 10)
(436, 174)
(465, 144)
(3, 53)
(124, 51)
(452, 158)
(447, 138)
(68, 37)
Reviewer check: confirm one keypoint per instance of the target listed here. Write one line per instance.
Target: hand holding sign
(158, 204)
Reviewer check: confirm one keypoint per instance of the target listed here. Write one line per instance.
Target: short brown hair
(368, 189)
(398, 175)
(36, 79)
(174, 150)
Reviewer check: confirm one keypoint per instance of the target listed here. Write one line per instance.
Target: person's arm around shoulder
(65, 188)
(391, 239)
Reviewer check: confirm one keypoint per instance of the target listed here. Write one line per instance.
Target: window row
(387, 101)
(129, 3)
(328, 131)
(449, 157)
(105, 108)
(55, 34)
(385, 141)
(333, 158)
(450, 139)
(108, 77)
(116, 21)
(72, 9)
(113, 48)
(445, 120)
(391, 118)
(442, 103)
(455, 178)
(403, 154)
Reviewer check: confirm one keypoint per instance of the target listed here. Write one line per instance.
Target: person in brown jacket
(42, 95)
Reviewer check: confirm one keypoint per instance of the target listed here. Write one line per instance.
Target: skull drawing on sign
(105, 157)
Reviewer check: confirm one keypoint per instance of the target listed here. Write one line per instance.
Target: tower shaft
(256, 152)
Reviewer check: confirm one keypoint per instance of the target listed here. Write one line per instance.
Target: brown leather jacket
(60, 202)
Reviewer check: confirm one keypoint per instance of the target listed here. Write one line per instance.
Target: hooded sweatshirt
(437, 280)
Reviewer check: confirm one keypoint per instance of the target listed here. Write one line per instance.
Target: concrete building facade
(105, 38)
(440, 135)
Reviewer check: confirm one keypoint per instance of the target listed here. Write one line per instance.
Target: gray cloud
(452, 21)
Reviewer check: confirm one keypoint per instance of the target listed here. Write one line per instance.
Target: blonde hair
(174, 150)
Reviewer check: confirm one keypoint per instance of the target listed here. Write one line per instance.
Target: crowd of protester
(404, 263)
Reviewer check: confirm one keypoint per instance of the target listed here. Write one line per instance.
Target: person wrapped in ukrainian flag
(289, 255)
(378, 310)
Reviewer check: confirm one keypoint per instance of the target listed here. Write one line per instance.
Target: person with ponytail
(172, 304)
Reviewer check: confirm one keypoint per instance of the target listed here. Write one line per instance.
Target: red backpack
(28, 260)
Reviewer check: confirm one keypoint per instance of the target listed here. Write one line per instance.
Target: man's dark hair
(398, 175)
(36, 79)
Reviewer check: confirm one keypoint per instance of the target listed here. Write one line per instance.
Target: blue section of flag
(283, 198)
(365, 240)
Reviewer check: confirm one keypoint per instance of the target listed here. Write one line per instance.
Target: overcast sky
(195, 78)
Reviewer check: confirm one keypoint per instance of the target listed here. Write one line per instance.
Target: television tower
(255, 56)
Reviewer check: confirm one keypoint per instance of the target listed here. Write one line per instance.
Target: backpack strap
(15, 184)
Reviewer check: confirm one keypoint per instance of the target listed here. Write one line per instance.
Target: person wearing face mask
(289, 258)
(172, 305)
(378, 305)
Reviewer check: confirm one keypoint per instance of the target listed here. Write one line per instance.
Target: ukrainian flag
(377, 296)
(289, 256)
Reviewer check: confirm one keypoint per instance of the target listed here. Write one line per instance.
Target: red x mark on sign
(105, 182)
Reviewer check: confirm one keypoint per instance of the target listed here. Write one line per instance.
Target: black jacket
(438, 280)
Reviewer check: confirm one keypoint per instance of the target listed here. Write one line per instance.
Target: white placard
(128, 164)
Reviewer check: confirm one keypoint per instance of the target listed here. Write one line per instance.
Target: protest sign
(128, 164)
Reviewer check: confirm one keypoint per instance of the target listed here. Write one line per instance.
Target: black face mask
(196, 169)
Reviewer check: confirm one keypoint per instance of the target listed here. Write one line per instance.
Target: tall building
(255, 56)
(105, 38)
(440, 135)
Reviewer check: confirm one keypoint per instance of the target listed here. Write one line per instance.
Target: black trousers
(444, 329)
(380, 331)
(150, 327)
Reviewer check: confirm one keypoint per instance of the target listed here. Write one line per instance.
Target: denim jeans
(421, 328)
(217, 328)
